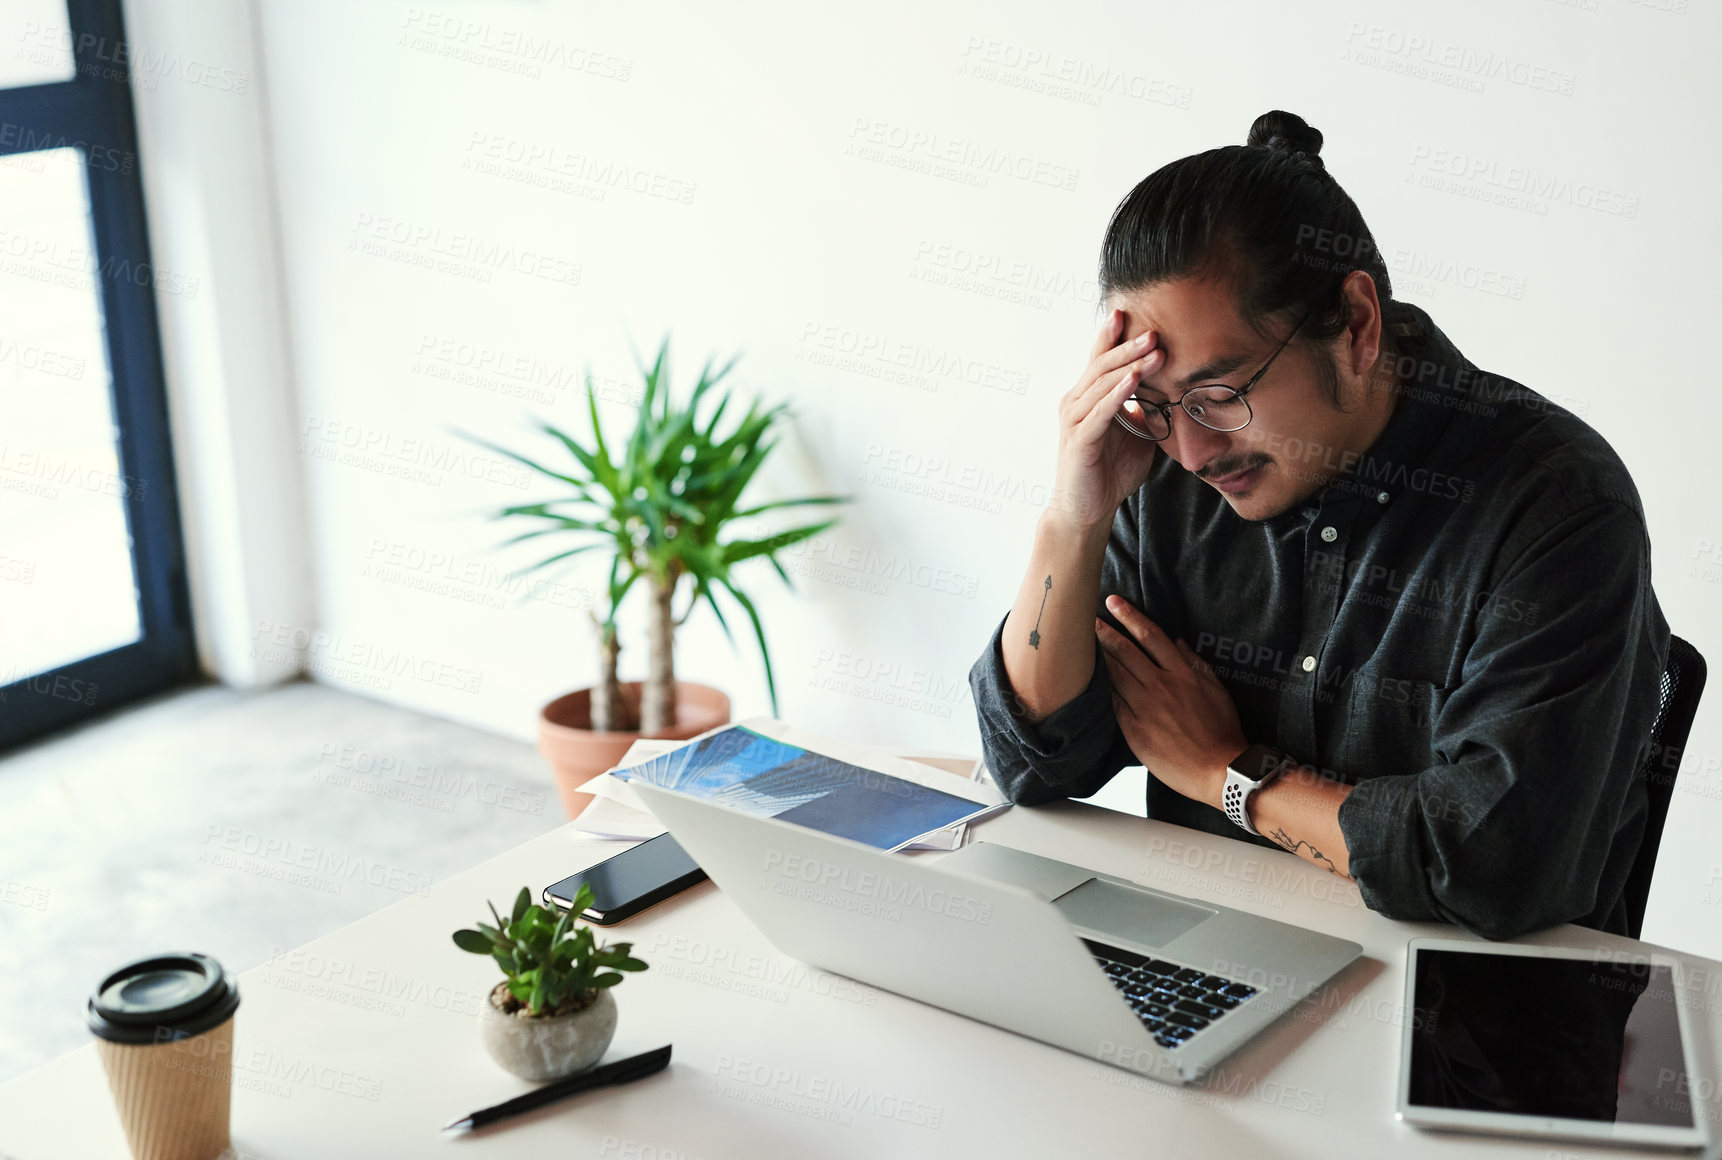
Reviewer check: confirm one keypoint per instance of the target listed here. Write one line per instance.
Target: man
(1319, 528)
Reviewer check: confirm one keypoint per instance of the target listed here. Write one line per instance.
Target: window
(93, 607)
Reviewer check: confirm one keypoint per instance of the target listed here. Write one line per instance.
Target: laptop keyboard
(1173, 1002)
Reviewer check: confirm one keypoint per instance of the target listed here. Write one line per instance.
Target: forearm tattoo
(1034, 633)
(1304, 849)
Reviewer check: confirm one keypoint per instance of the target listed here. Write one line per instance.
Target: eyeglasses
(1218, 408)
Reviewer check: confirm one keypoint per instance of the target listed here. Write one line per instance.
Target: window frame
(94, 109)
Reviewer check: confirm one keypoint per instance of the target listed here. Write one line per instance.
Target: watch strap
(1240, 787)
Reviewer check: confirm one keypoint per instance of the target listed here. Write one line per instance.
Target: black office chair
(1682, 684)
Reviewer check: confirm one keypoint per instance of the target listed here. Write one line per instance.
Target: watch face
(1258, 761)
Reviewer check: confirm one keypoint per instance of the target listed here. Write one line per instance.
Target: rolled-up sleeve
(1539, 742)
(1071, 752)
(1077, 748)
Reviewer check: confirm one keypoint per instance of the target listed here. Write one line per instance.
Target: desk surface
(365, 1042)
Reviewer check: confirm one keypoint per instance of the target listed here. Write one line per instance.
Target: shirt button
(1309, 664)
(1382, 497)
(1329, 534)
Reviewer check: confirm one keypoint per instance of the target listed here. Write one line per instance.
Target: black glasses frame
(1165, 409)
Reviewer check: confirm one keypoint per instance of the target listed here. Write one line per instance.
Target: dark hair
(1266, 214)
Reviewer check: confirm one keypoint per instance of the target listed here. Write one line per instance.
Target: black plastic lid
(164, 997)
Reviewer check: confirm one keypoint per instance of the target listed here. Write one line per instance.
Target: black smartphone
(630, 882)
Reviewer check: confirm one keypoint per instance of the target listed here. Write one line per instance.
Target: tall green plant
(661, 502)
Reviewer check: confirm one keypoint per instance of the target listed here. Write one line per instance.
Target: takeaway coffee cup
(164, 1029)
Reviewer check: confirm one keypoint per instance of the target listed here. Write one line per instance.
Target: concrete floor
(238, 824)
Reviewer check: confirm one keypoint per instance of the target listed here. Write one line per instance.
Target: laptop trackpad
(1137, 915)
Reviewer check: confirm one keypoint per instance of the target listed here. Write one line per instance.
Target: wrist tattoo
(1034, 633)
(1304, 849)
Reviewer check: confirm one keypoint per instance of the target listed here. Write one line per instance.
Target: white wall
(203, 131)
(811, 189)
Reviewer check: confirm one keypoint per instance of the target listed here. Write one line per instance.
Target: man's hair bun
(1287, 133)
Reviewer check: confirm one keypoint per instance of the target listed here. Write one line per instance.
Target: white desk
(364, 1042)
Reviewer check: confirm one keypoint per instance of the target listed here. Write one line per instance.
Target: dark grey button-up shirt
(1462, 626)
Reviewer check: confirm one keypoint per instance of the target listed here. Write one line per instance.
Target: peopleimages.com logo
(867, 892)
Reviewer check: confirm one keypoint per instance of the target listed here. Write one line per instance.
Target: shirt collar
(1432, 376)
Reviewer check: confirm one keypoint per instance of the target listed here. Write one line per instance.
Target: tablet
(1582, 1045)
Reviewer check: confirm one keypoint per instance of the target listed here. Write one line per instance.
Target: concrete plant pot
(546, 1047)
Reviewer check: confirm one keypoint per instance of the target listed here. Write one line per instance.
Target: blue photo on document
(748, 771)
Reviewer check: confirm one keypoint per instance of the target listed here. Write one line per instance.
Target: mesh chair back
(1682, 684)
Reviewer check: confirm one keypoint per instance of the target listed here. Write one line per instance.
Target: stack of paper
(617, 811)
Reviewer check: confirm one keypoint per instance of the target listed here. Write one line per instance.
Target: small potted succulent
(664, 505)
(553, 1014)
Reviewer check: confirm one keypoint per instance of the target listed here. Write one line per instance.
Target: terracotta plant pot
(578, 754)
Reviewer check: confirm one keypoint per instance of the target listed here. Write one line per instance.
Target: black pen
(622, 1071)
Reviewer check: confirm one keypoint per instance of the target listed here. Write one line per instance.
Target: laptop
(1140, 979)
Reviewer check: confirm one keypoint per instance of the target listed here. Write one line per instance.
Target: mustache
(1227, 467)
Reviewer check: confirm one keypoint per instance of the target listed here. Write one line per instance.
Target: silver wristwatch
(1252, 769)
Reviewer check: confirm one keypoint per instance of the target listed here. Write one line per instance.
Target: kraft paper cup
(164, 1030)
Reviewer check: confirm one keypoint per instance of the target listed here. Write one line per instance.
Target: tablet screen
(1565, 1038)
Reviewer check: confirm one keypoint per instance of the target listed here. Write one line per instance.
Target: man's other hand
(1177, 717)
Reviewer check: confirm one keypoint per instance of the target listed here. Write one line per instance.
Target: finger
(1121, 708)
(1124, 661)
(1115, 678)
(1108, 336)
(1106, 378)
(1095, 424)
(1149, 635)
(1191, 658)
(1115, 355)
(1124, 350)
(1099, 417)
